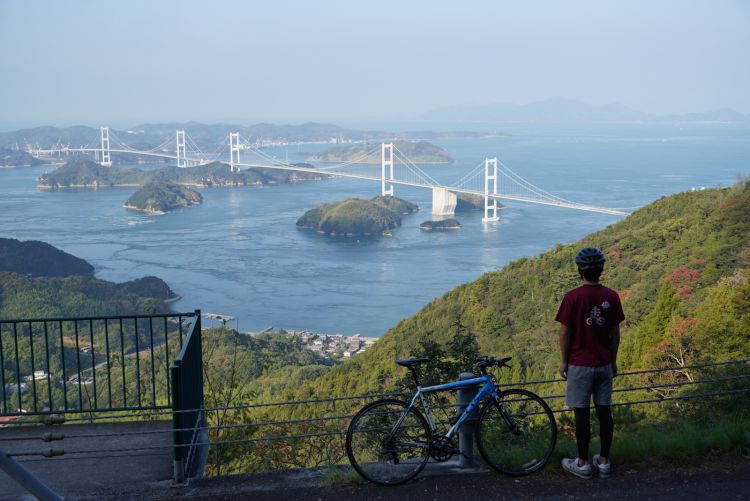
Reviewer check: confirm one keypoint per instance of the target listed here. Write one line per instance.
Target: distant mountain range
(209, 136)
(563, 110)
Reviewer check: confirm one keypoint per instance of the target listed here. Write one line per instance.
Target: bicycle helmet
(589, 257)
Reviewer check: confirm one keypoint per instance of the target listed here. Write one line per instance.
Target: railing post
(187, 400)
(466, 432)
(179, 463)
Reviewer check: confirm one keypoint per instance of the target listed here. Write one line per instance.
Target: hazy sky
(68, 62)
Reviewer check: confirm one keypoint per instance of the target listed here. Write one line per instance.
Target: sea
(240, 254)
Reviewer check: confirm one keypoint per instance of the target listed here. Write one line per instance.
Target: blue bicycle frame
(487, 389)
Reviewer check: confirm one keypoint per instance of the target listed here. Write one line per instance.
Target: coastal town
(333, 346)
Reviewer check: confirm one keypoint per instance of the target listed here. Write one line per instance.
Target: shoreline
(153, 212)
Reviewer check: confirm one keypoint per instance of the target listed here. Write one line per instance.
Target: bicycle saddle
(410, 363)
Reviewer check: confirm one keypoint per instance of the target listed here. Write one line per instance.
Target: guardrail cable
(58, 419)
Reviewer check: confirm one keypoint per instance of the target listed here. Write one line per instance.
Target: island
(355, 217)
(35, 258)
(443, 225)
(17, 158)
(420, 152)
(466, 202)
(160, 198)
(84, 173)
(397, 205)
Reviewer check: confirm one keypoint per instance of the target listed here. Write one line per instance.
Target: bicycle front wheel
(383, 452)
(516, 434)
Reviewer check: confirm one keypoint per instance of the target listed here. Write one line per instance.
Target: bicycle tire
(520, 448)
(384, 459)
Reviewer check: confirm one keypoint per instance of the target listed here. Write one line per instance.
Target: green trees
(679, 264)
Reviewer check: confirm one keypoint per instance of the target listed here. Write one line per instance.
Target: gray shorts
(585, 382)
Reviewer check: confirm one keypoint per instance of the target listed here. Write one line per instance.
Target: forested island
(466, 202)
(32, 257)
(417, 151)
(13, 158)
(160, 198)
(356, 217)
(450, 224)
(83, 173)
(38, 279)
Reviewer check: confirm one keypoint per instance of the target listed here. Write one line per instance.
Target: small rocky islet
(450, 224)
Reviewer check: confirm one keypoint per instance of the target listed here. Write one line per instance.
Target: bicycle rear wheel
(516, 435)
(380, 451)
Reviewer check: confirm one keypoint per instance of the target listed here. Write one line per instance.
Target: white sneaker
(604, 469)
(571, 466)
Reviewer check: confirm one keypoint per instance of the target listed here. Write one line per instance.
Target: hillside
(419, 152)
(679, 264)
(160, 198)
(83, 173)
(32, 257)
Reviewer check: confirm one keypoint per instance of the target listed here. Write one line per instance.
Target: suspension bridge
(491, 179)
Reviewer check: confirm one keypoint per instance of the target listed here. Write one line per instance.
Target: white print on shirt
(595, 316)
(605, 304)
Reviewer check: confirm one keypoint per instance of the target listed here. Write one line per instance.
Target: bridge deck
(77, 475)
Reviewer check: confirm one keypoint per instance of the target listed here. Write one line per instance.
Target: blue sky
(286, 61)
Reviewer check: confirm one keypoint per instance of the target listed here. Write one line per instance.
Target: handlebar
(484, 362)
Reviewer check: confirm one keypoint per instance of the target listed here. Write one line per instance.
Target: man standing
(590, 317)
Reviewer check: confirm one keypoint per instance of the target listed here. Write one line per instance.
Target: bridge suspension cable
(506, 184)
(426, 178)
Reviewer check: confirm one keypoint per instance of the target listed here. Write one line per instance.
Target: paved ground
(722, 478)
(147, 477)
(75, 475)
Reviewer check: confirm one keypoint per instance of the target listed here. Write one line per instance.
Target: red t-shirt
(590, 311)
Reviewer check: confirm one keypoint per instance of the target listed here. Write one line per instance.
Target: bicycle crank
(442, 449)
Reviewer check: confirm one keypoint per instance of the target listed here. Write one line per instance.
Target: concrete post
(26, 480)
(466, 432)
(443, 202)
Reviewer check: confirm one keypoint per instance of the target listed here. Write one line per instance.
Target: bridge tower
(181, 160)
(234, 151)
(106, 160)
(490, 163)
(386, 162)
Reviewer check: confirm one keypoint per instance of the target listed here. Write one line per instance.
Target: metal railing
(317, 426)
(88, 364)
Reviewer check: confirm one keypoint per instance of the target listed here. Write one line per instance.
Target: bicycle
(389, 441)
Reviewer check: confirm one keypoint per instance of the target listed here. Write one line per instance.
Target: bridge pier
(443, 202)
